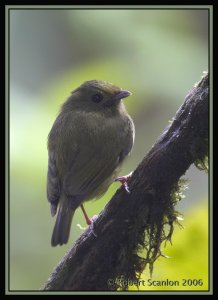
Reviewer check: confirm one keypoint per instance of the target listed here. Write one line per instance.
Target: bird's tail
(62, 226)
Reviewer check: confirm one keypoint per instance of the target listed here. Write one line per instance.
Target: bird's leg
(89, 222)
(124, 181)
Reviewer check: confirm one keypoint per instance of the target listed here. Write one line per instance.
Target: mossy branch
(132, 226)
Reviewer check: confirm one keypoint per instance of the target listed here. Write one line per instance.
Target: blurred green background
(156, 54)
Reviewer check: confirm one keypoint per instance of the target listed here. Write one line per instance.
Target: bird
(87, 145)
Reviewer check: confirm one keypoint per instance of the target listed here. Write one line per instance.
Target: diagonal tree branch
(143, 219)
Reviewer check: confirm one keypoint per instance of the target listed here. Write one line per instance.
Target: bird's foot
(124, 181)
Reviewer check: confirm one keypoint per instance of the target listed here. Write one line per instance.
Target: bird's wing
(60, 157)
(53, 183)
(88, 172)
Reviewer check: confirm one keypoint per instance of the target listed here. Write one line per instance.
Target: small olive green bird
(87, 144)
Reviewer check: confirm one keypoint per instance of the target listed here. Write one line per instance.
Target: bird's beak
(122, 94)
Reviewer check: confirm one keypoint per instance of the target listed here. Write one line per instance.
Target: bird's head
(96, 95)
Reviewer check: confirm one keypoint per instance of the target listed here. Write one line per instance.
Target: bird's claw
(124, 181)
(90, 225)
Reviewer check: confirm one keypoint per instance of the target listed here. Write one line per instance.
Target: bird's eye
(97, 98)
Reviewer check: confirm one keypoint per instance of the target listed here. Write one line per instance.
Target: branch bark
(132, 226)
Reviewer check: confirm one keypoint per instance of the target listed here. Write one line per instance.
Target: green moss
(159, 229)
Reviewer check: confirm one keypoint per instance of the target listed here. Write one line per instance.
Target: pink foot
(124, 181)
